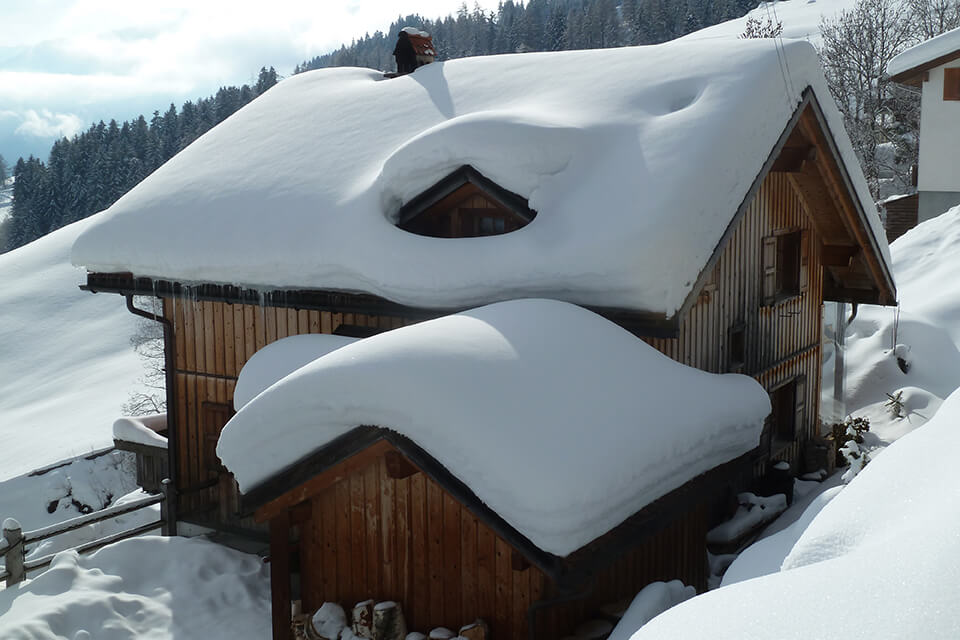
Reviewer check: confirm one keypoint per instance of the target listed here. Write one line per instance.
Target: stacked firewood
(373, 621)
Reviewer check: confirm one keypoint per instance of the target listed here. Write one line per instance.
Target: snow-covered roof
(884, 552)
(560, 421)
(280, 358)
(944, 45)
(635, 160)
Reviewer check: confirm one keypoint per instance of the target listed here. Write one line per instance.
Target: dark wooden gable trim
(914, 76)
(513, 202)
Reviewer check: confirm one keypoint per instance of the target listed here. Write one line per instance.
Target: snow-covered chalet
(501, 338)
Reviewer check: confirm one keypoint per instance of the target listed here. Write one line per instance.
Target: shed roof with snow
(634, 160)
(908, 67)
(563, 430)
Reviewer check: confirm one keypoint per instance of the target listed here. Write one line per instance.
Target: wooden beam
(836, 255)
(793, 159)
(280, 575)
(323, 480)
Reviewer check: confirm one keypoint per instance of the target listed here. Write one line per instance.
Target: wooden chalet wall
(369, 535)
(213, 342)
(783, 340)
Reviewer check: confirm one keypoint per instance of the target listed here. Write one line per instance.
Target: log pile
(369, 620)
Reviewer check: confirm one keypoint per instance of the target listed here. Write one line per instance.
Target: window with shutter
(784, 273)
(951, 84)
(784, 412)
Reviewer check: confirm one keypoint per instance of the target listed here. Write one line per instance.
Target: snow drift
(880, 560)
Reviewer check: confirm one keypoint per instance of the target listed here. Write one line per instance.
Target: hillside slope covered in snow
(66, 363)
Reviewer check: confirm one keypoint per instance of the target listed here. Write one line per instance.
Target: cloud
(46, 124)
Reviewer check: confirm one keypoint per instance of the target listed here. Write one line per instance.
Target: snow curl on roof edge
(559, 420)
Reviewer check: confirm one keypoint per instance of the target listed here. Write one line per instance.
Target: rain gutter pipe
(169, 359)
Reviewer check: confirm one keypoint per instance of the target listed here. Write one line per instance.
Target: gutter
(169, 358)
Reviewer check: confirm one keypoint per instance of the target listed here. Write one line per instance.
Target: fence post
(14, 555)
(168, 508)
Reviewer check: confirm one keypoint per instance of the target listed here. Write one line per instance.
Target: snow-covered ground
(66, 363)
(148, 588)
(800, 19)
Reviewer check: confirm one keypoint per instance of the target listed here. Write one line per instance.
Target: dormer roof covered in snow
(635, 160)
(909, 66)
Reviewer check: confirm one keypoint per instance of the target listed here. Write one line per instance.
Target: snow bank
(559, 420)
(881, 560)
(141, 429)
(653, 599)
(924, 334)
(280, 358)
(800, 19)
(147, 587)
(300, 188)
(927, 51)
(66, 364)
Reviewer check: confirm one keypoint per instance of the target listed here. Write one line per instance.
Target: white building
(934, 67)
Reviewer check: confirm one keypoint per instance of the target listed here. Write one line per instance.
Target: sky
(65, 64)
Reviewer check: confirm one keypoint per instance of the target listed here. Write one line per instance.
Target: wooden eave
(362, 445)
(640, 323)
(807, 153)
(915, 76)
(466, 175)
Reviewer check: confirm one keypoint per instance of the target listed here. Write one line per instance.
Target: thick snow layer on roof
(927, 51)
(280, 358)
(635, 160)
(559, 420)
(884, 552)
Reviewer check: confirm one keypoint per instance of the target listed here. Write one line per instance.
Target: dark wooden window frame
(784, 263)
(787, 412)
(510, 211)
(737, 347)
(951, 83)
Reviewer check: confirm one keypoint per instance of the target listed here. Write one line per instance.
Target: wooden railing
(14, 541)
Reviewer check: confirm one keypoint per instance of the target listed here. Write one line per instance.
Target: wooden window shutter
(951, 84)
(769, 265)
(804, 260)
(800, 397)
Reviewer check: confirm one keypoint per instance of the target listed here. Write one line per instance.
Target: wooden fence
(14, 541)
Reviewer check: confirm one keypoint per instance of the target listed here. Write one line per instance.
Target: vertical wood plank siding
(464, 573)
(782, 341)
(213, 340)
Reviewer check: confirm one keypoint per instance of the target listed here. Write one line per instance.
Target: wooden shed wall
(213, 340)
(372, 536)
(782, 341)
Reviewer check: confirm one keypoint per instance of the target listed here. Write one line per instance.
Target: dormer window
(465, 204)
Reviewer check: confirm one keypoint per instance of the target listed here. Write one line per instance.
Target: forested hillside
(89, 172)
(541, 25)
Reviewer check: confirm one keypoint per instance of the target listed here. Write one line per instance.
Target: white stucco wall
(939, 136)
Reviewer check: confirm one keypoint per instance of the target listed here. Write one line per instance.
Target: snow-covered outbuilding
(699, 195)
(933, 67)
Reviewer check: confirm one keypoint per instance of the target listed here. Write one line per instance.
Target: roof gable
(910, 66)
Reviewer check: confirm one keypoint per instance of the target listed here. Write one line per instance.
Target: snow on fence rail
(14, 541)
